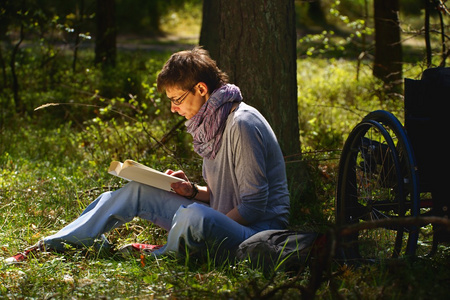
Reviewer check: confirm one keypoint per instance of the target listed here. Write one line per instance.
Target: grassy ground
(53, 162)
(50, 173)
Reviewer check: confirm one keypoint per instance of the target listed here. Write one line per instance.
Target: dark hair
(186, 68)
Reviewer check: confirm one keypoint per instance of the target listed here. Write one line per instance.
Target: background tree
(255, 43)
(257, 49)
(140, 16)
(388, 48)
(105, 42)
(209, 34)
(315, 12)
(442, 11)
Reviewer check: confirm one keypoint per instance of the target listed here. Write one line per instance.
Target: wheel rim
(371, 187)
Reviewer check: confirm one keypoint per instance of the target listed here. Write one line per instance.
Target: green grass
(49, 173)
(53, 163)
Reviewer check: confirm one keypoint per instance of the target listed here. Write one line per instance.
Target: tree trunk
(15, 81)
(257, 48)
(105, 43)
(315, 12)
(388, 48)
(255, 43)
(209, 34)
(154, 13)
(79, 13)
(427, 33)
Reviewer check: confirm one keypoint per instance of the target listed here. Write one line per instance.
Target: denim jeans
(191, 225)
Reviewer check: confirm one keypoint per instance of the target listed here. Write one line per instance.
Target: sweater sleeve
(249, 142)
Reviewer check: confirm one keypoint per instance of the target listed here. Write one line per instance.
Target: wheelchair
(393, 172)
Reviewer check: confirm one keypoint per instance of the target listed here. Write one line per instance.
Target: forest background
(68, 109)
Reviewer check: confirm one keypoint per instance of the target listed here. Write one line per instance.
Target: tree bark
(316, 13)
(255, 43)
(388, 47)
(15, 81)
(105, 43)
(257, 48)
(209, 34)
(154, 13)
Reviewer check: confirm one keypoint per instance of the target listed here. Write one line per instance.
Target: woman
(243, 167)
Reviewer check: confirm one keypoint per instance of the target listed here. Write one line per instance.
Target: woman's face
(190, 101)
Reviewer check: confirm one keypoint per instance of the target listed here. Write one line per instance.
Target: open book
(134, 171)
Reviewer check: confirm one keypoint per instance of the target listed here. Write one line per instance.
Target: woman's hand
(188, 189)
(178, 174)
(183, 188)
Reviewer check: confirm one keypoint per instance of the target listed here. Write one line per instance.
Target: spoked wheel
(377, 181)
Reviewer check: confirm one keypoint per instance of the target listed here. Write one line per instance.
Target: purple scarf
(207, 126)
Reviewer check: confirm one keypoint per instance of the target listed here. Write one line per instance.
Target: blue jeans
(191, 225)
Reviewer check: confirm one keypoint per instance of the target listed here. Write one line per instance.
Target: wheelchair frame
(389, 171)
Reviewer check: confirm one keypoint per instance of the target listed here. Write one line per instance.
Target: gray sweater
(249, 170)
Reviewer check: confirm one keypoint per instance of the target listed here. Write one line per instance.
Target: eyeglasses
(182, 97)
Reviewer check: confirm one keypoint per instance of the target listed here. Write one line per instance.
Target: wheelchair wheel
(377, 180)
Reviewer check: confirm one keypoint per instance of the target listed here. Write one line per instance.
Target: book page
(115, 167)
(134, 171)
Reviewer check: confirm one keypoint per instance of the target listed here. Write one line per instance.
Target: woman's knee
(196, 209)
(131, 186)
(131, 191)
(194, 213)
(120, 196)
